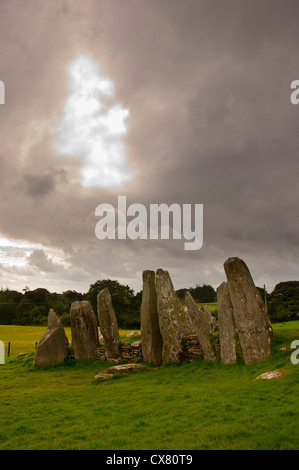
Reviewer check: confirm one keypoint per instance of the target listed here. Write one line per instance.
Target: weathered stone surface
(212, 321)
(84, 330)
(249, 312)
(172, 317)
(227, 329)
(120, 369)
(108, 325)
(52, 348)
(201, 327)
(152, 342)
(189, 323)
(269, 375)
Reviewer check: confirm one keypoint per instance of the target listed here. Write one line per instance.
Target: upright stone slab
(227, 329)
(108, 325)
(172, 317)
(152, 342)
(201, 327)
(52, 348)
(249, 312)
(84, 330)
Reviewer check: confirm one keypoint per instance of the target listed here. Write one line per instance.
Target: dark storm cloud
(40, 185)
(208, 89)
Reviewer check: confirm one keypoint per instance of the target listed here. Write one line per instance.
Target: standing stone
(108, 325)
(212, 321)
(201, 327)
(249, 312)
(227, 329)
(152, 342)
(2, 353)
(52, 348)
(172, 317)
(84, 330)
(189, 323)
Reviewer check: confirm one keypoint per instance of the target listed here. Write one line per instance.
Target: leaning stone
(84, 330)
(152, 342)
(227, 329)
(172, 317)
(108, 325)
(201, 328)
(269, 375)
(189, 322)
(212, 321)
(249, 312)
(52, 348)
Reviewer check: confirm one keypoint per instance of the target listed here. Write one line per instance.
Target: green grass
(182, 407)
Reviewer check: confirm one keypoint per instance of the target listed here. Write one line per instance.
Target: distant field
(23, 338)
(201, 405)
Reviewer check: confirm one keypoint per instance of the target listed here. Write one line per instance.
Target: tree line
(31, 307)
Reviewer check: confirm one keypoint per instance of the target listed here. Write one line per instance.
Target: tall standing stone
(84, 330)
(108, 325)
(227, 329)
(201, 328)
(52, 348)
(249, 312)
(152, 342)
(173, 321)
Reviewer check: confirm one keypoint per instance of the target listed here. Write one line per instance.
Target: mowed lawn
(175, 407)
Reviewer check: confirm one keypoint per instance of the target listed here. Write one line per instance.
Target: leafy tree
(284, 301)
(122, 296)
(9, 300)
(201, 294)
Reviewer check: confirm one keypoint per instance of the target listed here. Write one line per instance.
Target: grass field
(181, 407)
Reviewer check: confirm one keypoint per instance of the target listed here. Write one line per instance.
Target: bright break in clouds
(93, 130)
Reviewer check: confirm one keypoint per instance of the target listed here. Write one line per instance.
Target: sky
(161, 101)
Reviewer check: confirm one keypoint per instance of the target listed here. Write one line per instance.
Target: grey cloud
(40, 185)
(39, 259)
(207, 85)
